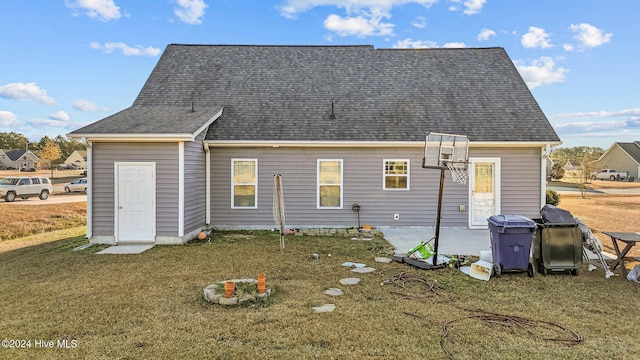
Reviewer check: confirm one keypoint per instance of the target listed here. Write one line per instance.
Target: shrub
(553, 198)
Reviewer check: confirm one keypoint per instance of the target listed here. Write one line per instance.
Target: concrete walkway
(452, 241)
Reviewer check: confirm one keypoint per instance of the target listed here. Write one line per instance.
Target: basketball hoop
(445, 151)
(459, 171)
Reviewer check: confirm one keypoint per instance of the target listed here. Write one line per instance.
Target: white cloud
(127, 50)
(293, 7)
(38, 123)
(8, 119)
(190, 11)
(568, 47)
(625, 112)
(26, 92)
(486, 34)
(103, 10)
(414, 44)
(86, 105)
(599, 128)
(59, 116)
(542, 71)
(454, 45)
(420, 22)
(362, 17)
(589, 35)
(536, 38)
(358, 26)
(471, 7)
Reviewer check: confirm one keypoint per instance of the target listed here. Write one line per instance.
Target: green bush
(553, 197)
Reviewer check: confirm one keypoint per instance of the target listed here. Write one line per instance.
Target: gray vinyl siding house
(622, 156)
(342, 125)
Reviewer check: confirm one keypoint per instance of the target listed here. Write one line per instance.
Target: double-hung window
(244, 183)
(396, 174)
(329, 184)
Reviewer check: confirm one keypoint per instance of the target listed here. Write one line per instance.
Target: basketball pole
(438, 216)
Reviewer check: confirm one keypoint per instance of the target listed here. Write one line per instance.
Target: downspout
(181, 189)
(89, 146)
(543, 175)
(207, 183)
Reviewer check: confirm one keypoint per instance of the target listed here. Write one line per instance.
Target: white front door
(484, 198)
(135, 193)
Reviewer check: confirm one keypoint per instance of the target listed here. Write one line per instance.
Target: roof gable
(633, 149)
(274, 93)
(14, 155)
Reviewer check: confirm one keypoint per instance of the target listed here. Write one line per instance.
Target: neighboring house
(18, 159)
(342, 124)
(572, 171)
(78, 158)
(622, 156)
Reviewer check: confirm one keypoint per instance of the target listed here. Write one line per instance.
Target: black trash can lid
(554, 214)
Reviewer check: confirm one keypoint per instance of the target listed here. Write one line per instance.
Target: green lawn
(151, 306)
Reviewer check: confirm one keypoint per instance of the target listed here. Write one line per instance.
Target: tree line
(50, 151)
(582, 157)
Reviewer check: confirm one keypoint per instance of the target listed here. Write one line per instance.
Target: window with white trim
(244, 183)
(396, 174)
(329, 184)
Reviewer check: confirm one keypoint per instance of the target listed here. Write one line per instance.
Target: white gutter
(135, 137)
(363, 144)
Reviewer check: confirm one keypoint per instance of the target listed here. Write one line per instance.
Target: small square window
(396, 174)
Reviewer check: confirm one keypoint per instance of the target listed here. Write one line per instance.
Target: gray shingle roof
(152, 119)
(286, 93)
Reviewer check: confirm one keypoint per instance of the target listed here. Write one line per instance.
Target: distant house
(78, 159)
(18, 159)
(622, 156)
(343, 125)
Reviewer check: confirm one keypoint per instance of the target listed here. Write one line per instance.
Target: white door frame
(496, 188)
(152, 194)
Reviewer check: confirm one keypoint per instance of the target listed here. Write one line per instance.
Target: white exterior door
(484, 194)
(135, 193)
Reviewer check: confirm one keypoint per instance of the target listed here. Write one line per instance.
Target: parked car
(609, 174)
(76, 185)
(25, 187)
(67, 167)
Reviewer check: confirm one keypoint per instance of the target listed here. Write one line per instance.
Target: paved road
(567, 190)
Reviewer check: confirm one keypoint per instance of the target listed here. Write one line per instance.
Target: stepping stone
(324, 308)
(333, 292)
(351, 264)
(383, 260)
(349, 281)
(363, 270)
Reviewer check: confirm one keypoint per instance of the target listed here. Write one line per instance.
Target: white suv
(25, 187)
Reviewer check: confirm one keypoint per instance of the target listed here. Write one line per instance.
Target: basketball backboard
(441, 149)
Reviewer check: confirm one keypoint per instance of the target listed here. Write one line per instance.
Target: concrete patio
(452, 241)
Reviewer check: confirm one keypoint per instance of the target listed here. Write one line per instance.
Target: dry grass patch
(603, 212)
(24, 220)
(150, 305)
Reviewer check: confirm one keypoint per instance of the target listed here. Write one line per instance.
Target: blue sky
(67, 63)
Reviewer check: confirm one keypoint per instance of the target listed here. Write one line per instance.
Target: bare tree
(587, 166)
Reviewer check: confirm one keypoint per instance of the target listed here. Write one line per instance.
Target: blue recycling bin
(511, 237)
